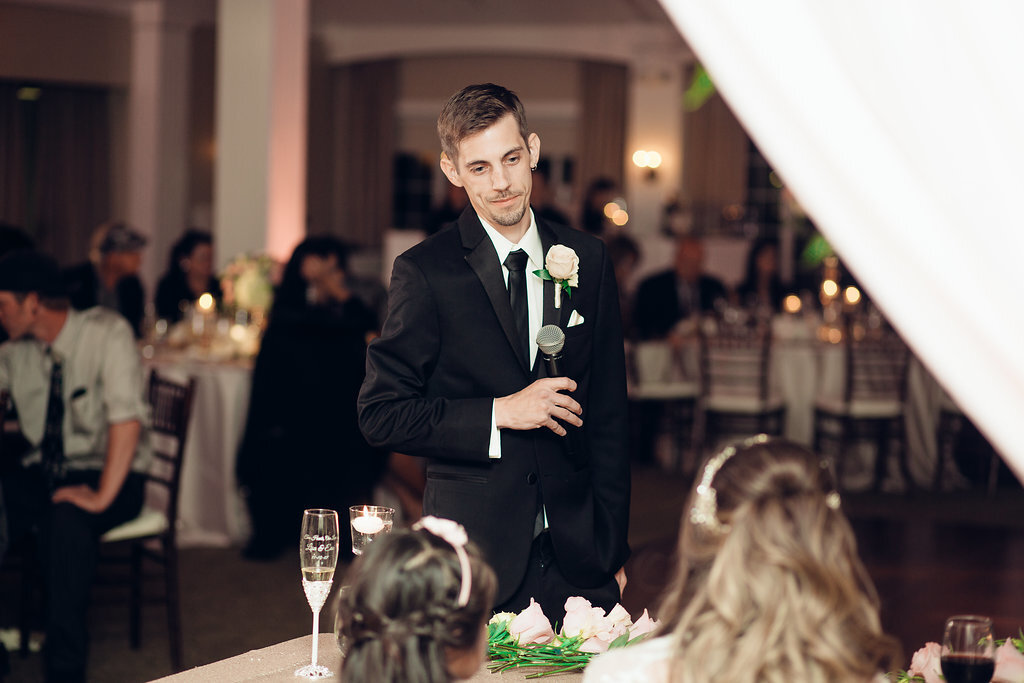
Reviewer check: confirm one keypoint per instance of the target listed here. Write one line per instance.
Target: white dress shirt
(531, 244)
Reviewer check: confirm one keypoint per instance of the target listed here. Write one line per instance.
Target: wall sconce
(649, 159)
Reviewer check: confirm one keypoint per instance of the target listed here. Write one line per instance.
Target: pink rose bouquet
(926, 664)
(527, 639)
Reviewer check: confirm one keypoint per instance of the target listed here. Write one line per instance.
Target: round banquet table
(802, 369)
(211, 510)
(278, 663)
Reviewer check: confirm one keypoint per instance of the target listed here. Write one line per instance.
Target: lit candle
(205, 302)
(367, 523)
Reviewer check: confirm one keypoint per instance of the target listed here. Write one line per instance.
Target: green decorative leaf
(620, 641)
(565, 286)
(543, 274)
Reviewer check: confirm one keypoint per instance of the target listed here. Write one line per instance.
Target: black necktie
(52, 445)
(516, 264)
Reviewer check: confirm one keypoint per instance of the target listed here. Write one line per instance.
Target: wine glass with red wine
(967, 650)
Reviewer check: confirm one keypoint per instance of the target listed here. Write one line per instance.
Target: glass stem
(316, 634)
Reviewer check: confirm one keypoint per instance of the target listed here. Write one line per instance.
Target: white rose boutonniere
(562, 266)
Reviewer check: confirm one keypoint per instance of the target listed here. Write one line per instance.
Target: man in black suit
(455, 377)
(662, 300)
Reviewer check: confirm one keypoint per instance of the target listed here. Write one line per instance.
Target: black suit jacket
(657, 307)
(446, 351)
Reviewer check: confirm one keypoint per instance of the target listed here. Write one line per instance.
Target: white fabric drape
(899, 127)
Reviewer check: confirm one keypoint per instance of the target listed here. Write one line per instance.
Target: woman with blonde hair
(768, 587)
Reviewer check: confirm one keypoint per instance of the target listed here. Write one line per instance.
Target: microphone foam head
(550, 339)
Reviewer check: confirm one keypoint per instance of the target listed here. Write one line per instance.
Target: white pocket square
(575, 319)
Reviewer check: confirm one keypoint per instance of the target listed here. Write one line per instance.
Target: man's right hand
(538, 405)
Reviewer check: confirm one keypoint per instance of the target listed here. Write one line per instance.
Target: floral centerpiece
(926, 664)
(528, 639)
(247, 284)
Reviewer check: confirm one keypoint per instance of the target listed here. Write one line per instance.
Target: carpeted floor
(931, 555)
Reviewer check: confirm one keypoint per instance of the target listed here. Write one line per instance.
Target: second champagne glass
(318, 554)
(968, 650)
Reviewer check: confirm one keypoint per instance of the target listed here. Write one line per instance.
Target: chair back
(876, 365)
(735, 360)
(5, 400)
(170, 406)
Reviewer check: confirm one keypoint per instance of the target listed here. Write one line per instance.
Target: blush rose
(563, 264)
(927, 662)
(531, 626)
(1009, 664)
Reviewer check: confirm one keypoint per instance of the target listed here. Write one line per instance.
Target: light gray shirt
(103, 385)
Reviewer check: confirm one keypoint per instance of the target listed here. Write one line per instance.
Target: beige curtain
(898, 128)
(363, 131)
(602, 126)
(55, 166)
(715, 158)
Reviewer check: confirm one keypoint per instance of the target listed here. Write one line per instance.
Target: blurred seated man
(11, 238)
(77, 383)
(110, 277)
(663, 299)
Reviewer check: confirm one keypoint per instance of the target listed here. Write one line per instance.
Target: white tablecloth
(802, 369)
(211, 509)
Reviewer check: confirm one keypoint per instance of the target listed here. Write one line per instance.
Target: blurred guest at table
(415, 607)
(625, 254)
(189, 274)
(768, 585)
(77, 382)
(664, 299)
(302, 447)
(593, 219)
(110, 277)
(542, 197)
(11, 238)
(762, 288)
(455, 202)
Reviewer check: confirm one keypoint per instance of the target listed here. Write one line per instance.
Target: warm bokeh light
(851, 295)
(205, 302)
(791, 304)
(835, 335)
(644, 158)
(613, 207)
(237, 332)
(829, 288)
(620, 217)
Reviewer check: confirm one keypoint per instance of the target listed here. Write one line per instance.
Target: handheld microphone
(550, 342)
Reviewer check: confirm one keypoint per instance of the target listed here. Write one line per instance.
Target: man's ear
(449, 170)
(533, 142)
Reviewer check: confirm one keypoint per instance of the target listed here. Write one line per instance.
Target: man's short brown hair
(476, 108)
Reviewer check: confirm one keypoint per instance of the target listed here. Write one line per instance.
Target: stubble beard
(511, 218)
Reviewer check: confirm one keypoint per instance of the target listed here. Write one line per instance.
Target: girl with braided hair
(415, 607)
(768, 586)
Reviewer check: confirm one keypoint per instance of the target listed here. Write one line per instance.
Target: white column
(158, 131)
(655, 122)
(262, 76)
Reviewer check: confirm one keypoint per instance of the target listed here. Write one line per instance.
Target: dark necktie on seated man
(516, 264)
(52, 446)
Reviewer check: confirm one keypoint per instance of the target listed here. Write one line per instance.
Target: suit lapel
(484, 262)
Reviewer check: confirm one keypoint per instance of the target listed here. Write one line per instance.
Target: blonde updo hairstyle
(398, 616)
(773, 591)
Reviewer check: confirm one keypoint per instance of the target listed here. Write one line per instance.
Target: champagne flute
(967, 650)
(318, 554)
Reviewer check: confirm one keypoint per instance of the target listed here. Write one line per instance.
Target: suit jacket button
(531, 478)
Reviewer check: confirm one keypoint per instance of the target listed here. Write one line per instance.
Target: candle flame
(205, 301)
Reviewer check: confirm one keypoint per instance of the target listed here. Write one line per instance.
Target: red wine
(967, 668)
